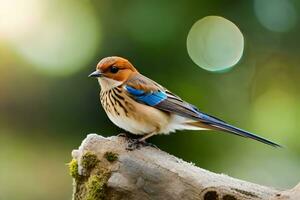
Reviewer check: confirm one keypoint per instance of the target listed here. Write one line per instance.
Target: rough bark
(102, 168)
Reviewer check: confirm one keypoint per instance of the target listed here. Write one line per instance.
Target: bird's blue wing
(151, 98)
(147, 92)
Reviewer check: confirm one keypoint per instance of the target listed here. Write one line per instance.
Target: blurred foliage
(48, 105)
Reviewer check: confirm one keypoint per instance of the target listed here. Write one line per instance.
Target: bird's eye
(114, 69)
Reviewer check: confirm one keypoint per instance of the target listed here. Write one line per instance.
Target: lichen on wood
(111, 156)
(73, 169)
(96, 186)
(106, 170)
(89, 177)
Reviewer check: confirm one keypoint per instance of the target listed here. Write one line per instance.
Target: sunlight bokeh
(276, 15)
(215, 43)
(276, 107)
(19, 17)
(55, 38)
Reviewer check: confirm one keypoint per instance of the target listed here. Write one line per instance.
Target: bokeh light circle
(53, 37)
(276, 15)
(18, 17)
(215, 43)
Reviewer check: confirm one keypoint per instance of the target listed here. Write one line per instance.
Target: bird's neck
(107, 84)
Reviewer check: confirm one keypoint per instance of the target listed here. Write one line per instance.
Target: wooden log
(102, 168)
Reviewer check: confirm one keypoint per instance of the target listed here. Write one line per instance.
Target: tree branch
(102, 168)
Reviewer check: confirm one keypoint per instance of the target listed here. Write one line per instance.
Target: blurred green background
(48, 105)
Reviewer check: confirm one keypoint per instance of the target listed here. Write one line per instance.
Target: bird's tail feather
(234, 130)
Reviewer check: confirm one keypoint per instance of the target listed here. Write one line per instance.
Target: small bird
(143, 107)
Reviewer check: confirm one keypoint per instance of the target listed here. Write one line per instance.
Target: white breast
(131, 125)
(152, 120)
(138, 118)
(130, 115)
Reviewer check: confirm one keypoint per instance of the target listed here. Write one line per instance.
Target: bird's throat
(107, 83)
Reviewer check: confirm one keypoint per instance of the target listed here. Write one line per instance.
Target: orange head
(113, 71)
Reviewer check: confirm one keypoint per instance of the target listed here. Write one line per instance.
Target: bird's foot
(150, 145)
(125, 135)
(137, 144)
(134, 144)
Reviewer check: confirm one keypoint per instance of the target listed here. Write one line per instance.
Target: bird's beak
(95, 74)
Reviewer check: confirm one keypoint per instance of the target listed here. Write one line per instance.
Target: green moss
(89, 161)
(73, 169)
(92, 185)
(96, 186)
(110, 156)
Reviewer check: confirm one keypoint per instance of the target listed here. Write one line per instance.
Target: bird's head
(113, 71)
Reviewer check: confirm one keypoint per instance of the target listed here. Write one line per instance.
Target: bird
(143, 107)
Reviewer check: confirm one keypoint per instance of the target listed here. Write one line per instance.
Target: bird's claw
(134, 144)
(150, 145)
(122, 135)
(137, 144)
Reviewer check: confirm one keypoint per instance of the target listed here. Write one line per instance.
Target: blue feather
(150, 98)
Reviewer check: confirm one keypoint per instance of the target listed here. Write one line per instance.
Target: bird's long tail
(222, 126)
